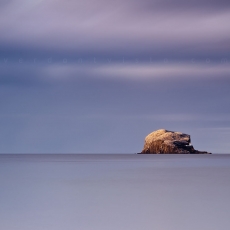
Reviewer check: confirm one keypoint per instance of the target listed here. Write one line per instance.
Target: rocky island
(163, 141)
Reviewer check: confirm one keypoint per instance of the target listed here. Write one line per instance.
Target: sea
(114, 192)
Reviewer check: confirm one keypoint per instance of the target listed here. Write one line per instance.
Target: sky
(98, 76)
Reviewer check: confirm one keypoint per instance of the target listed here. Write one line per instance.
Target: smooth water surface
(114, 192)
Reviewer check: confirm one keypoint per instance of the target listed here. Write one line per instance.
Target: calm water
(114, 192)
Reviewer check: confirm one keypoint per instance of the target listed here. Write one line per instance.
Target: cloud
(25, 74)
(137, 71)
(133, 27)
(152, 71)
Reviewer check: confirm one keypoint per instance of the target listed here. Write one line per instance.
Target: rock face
(163, 141)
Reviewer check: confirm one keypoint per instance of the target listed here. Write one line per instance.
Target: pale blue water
(114, 192)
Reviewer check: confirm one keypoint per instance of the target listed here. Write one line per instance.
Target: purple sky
(98, 76)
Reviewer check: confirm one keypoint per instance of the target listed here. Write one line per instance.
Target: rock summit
(163, 141)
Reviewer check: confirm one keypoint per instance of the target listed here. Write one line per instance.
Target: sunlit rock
(163, 141)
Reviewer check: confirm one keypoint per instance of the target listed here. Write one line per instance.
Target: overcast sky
(98, 76)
